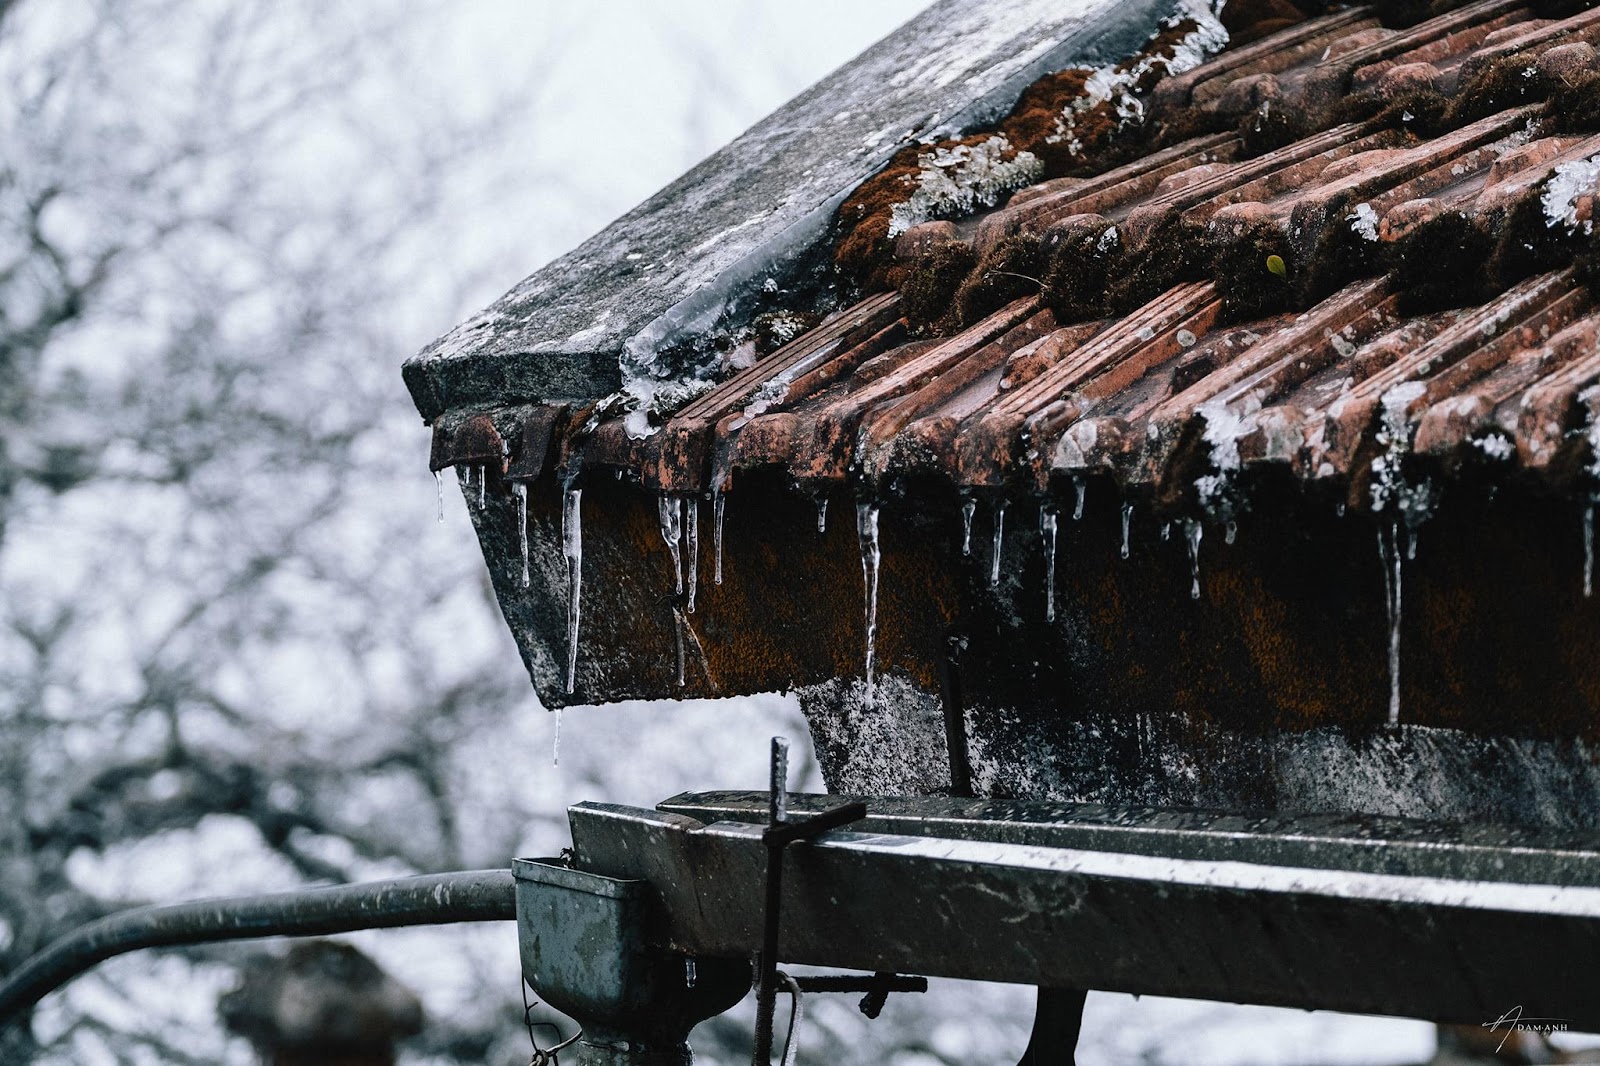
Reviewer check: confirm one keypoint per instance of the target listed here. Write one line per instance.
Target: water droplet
(967, 509)
(822, 514)
(688, 972)
(1077, 508)
(871, 556)
(1127, 521)
(1047, 530)
(1166, 531)
(1229, 532)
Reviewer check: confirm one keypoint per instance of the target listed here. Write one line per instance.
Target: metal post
(782, 831)
(1057, 1020)
(767, 972)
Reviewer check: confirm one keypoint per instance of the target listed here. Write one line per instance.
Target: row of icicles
(680, 529)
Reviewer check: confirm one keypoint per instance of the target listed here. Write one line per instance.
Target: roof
(1331, 250)
(1341, 263)
(692, 258)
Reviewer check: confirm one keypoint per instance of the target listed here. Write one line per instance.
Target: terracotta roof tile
(1027, 393)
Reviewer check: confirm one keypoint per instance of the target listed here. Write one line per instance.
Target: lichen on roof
(1060, 121)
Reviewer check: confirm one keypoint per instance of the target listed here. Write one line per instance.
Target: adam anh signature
(1512, 1021)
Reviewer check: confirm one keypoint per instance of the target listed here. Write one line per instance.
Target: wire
(543, 1056)
(791, 1046)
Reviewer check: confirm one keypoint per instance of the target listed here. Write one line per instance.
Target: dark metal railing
(431, 899)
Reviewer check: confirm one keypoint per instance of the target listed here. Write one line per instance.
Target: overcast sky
(622, 96)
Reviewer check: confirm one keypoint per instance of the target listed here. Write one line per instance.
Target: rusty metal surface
(1147, 923)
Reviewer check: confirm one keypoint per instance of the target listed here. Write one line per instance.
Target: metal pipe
(432, 899)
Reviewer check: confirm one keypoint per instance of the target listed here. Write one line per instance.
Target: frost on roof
(761, 205)
(1570, 184)
(956, 180)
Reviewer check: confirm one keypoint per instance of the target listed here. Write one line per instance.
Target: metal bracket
(781, 831)
(588, 950)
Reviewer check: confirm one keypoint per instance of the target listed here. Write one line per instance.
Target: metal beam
(1314, 937)
(1364, 843)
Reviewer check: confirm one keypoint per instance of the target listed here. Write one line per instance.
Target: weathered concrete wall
(1270, 691)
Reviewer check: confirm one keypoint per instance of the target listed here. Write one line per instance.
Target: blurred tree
(217, 618)
(236, 653)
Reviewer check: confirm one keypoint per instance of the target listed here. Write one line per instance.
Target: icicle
(1230, 531)
(572, 550)
(483, 485)
(867, 534)
(1166, 531)
(1192, 531)
(555, 745)
(520, 491)
(967, 509)
(688, 972)
(1077, 508)
(1339, 509)
(438, 480)
(699, 649)
(822, 514)
(1588, 548)
(1047, 530)
(1389, 554)
(999, 536)
(1127, 521)
(677, 641)
(716, 532)
(670, 509)
(691, 544)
